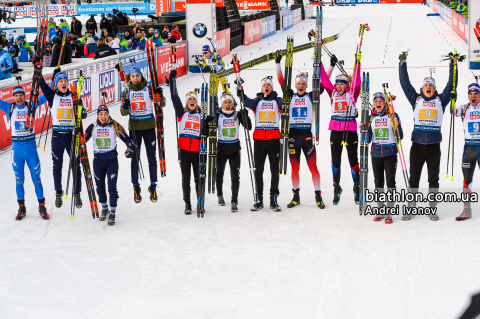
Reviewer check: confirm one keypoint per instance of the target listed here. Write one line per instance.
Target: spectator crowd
(78, 42)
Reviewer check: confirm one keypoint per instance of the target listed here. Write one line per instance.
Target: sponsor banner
(435, 6)
(400, 1)
(21, 12)
(447, 16)
(67, 9)
(7, 96)
(287, 20)
(308, 11)
(254, 5)
(458, 25)
(357, 1)
(53, 10)
(269, 27)
(163, 6)
(223, 42)
(200, 25)
(297, 16)
(474, 35)
(253, 32)
(163, 61)
(180, 6)
(143, 8)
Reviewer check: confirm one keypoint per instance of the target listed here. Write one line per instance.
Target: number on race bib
(103, 142)
(267, 116)
(192, 125)
(340, 106)
(473, 127)
(299, 112)
(426, 114)
(382, 132)
(64, 114)
(229, 132)
(139, 106)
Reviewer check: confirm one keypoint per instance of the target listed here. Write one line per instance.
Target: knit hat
(134, 70)
(102, 108)
(430, 80)
(206, 48)
(21, 37)
(226, 96)
(474, 87)
(342, 78)
(18, 89)
(268, 79)
(156, 31)
(301, 77)
(110, 35)
(379, 95)
(69, 38)
(60, 76)
(191, 93)
(120, 35)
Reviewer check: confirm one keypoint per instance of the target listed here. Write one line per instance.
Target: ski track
(299, 263)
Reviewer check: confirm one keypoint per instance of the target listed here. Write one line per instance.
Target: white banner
(474, 35)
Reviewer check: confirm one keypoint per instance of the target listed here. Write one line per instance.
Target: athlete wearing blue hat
(24, 150)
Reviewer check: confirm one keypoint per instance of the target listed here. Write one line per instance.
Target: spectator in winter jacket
(90, 48)
(150, 34)
(6, 64)
(113, 42)
(104, 33)
(137, 27)
(103, 50)
(157, 39)
(138, 42)
(452, 5)
(124, 19)
(167, 36)
(104, 23)
(76, 27)
(91, 24)
(13, 53)
(128, 35)
(3, 41)
(119, 18)
(176, 32)
(25, 49)
(123, 43)
(64, 27)
(77, 46)
(51, 27)
(464, 11)
(114, 24)
(66, 54)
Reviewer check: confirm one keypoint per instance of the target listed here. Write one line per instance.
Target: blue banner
(143, 8)
(287, 20)
(357, 1)
(268, 26)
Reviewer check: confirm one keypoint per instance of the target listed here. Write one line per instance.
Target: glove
(84, 114)
(126, 104)
(55, 72)
(158, 90)
(129, 153)
(403, 57)
(205, 129)
(240, 94)
(242, 113)
(76, 130)
(453, 95)
(173, 75)
(333, 60)
(214, 60)
(35, 59)
(290, 93)
(117, 66)
(278, 58)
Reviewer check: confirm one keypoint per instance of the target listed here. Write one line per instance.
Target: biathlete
(188, 118)
(344, 112)
(105, 159)
(138, 103)
(384, 149)
(24, 150)
(267, 107)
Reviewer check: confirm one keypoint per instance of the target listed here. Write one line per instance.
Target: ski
(158, 107)
(274, 55)
(316, 81)
(202, 166)
(81, 150)
(285, 117)
(365, 119)
(251, 161)
(37, 76)
(212, 140)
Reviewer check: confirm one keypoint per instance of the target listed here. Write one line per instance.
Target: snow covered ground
(300, 263)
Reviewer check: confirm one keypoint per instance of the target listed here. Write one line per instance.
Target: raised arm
(47, 92)
(325, 80)
(406, 85)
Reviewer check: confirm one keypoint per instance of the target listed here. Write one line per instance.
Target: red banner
(253, 32)
(7, 96)
(435, 6)
(253, 5)
(163, 6)
(458, 25)
(179, 6)
(223, 42)
(163, 61)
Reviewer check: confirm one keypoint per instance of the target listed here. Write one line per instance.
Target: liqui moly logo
(300, 101)
(65, 102)
(21, 11)
(86, 93)
(102, 132)
(428, 104)
(21, 115)
(136, 96)
(107, 85)
(341, 98)
(193, 119)
(228, 123)
(267, 106)
(475, 115)
(381, 122)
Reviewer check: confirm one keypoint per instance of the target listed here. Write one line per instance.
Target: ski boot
(221, 201)
(337, 190)
(296, 198)
(319, 200)
(136, 194)
(434, 217)
(58, 199)
(258, 204)
(22, 211)
(466, 214)
(42, 210)
(188, 209)
(356, 193)
(105, 212)
(234, 208)
(78, 201)
(111, 218)
(152, 189)
(273, 203)
(379, 217)
(388, 219)
(407, 217)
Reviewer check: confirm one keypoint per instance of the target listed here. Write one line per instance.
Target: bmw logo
(200, 30)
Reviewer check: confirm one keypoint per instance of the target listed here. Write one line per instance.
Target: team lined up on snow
(428, 107)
